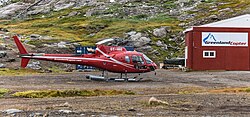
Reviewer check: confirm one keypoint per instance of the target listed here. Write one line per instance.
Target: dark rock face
(126, 8)
(3, 54)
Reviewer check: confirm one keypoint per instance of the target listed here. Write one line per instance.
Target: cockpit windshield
(148, 60)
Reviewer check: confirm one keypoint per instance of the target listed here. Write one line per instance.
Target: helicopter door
(138, 62)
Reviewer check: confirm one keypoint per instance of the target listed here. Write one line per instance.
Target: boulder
(2, 65)
(174, 12)
(34, 65)
(165, 47)
(182, 24)
(159, 43)
(65, 111)
(12, 111)
(63, 5)
(3, 54)
(62, 45)
(186, 16)
(137, 39)
(154, 101)
(48, 45)
(131, 33)
(74, 13)
(145, 39)
(182, 2)
(139, 114)
(226, 10)
(213, 17)
(39, 10)
(89, 13)
(161, 32)
(6, 37)
(76, 44)
(66, 104)
(35, 37)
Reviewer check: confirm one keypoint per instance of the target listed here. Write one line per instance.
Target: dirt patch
(188, 94)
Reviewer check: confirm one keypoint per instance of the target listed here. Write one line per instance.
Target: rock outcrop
(11, 10)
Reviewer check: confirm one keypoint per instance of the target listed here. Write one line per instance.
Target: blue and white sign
(224, 39)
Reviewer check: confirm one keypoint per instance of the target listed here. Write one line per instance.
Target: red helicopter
(107, 58)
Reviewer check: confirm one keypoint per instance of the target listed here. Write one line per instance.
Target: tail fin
(22, 50)
(20, 46)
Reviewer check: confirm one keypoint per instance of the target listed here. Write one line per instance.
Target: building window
(209, 54)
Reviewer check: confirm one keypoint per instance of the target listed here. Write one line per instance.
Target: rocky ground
(152, 27)
(186, 94)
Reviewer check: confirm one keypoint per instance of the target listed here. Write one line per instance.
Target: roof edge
(220, 22)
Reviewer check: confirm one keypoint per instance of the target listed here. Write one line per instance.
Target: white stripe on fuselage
(77, 59)
(116, 61)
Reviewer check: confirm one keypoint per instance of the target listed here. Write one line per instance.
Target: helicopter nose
(153, 67)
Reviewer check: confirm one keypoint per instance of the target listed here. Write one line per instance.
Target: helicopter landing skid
(102, 78)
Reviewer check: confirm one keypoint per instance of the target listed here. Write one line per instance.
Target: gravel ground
(186, 92)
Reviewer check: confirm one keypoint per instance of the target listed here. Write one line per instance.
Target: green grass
(79, 27)
(39, 43)
(56, 69)
(19, 72)
(231, 90)
(3, 91)
(69, 93)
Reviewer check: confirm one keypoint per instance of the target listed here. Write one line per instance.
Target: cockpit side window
(140, 59)
(127, 59)
(137, 59)
(134, 59)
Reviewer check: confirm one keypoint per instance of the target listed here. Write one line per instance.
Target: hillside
(154, 27)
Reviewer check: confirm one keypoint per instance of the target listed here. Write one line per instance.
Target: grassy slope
(79, 28)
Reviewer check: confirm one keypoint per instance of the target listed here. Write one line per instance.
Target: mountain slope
(87, 22)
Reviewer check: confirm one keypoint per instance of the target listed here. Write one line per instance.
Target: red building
(222, 45)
